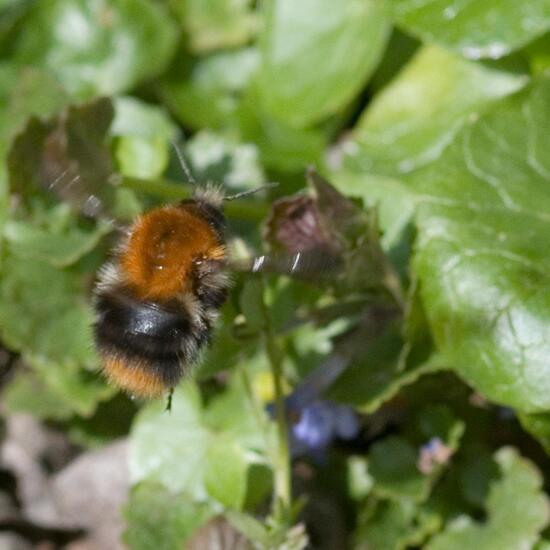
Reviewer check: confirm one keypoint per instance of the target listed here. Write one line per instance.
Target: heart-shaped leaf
(482, 253)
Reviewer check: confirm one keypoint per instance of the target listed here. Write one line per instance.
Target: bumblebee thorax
(163, 249)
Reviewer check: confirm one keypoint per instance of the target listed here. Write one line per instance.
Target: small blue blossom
(319, 424)
(316, 422)
(315, 427)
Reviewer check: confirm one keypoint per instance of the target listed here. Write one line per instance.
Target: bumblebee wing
(63, 177)
(315, 264)
(68, 158)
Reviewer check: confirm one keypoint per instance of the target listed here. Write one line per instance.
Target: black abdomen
(160, 336)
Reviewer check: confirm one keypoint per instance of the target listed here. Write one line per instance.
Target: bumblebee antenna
(183, 163)
(250, 191)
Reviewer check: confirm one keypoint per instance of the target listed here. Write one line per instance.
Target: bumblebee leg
(168, 407)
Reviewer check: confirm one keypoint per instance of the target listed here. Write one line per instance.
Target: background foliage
(417, 377)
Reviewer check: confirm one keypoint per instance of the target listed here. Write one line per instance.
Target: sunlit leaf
(307, 71)
(95, 46)
(221, 159)
(216, 24)
(481, 254)
(192, 439)
(144, 135)
(412, 120)
(492, 28)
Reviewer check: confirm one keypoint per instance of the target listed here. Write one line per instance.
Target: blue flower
(319, 424)
(316, 422)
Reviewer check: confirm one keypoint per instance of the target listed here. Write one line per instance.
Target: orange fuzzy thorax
(163, 248)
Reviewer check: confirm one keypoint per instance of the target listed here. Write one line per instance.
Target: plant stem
(242, 209)
(283, 492)
(257, 408)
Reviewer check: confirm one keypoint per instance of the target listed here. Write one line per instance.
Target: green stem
(162, 188)
(255, 404)
(283, 492)
(242, 209)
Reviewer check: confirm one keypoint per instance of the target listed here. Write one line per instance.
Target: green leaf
(492, 28)
(97, 47)
(392, 465)
(377, 373)
(141, 158)
(74, 387)
(232, 414)
(143, 138)
(45, 316)
(226, 349)
(411, 121)
(222, 159)
(517, 511)
(180, 437)
(7, 4)
(439, 421)
(55, 390)
(282, 146)
(225, 476)
(44, 312)
(216, 24)
(208, 95)
(481, 254)
(99, 429)
(538, 425)
(31, 91)
(394, 203)
(53, 164)
(477, 471)
(401, 47)
(360, 481)
(162, 518)
(27, 392)
(206, 452)
(538, 54)
(252, 307)
(55, 238)
(249, 526)
(396, 525)
(133, 117)
(307, 72)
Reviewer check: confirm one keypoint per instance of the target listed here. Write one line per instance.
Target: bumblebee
(157, 300)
